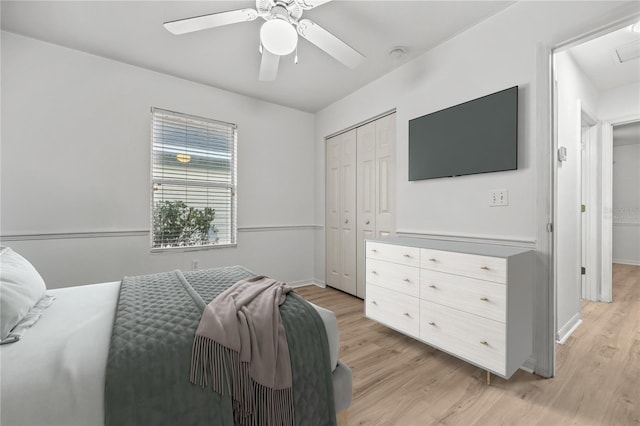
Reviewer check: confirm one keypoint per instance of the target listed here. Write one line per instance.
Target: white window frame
(155, 181)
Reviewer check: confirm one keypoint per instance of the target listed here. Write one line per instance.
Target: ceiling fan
(279, 32)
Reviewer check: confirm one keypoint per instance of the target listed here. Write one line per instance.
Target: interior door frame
(545, 300)
(544, 297)
(606, 277)
(590, 187)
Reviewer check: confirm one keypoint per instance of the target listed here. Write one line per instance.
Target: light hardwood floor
(399, 381)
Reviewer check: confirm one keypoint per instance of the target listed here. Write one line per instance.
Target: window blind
(193, 181)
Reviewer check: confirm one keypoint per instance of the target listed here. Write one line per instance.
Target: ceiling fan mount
(269, 9)
(278, 34)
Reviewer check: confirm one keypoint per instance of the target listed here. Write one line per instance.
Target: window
(193, 181)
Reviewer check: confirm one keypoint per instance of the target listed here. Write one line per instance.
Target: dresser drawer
(476, 339)
(402, 278)
(479, 297)
(469, 265)
(393, 309)
(393, 253)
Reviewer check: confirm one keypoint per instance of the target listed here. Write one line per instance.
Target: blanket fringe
(253, 404)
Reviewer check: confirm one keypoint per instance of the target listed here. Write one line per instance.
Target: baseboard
(632, 262)
(306, 283)
(529, 365)
(565, 332)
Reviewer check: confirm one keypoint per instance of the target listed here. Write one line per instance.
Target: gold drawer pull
(432, 323)
(486, 268)
(484, 342)
(484, 299)
(432, 285)
(433, 259)
(407, 255)
(407, 280)
(406, 314)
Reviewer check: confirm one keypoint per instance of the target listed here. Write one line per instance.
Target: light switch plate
(498, 198)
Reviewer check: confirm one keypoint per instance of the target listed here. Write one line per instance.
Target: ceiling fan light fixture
(278, 36)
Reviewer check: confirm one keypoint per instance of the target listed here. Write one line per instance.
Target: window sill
(194, 248)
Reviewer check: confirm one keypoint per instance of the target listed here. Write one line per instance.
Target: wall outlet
(498, 197)
(194, 264)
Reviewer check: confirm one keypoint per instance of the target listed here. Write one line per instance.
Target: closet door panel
(385, 175)
(360, 199)
(348, 212)
(333, 211)
(366, 197)
(333, 258)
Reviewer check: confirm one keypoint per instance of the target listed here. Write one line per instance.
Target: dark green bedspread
(147, 375)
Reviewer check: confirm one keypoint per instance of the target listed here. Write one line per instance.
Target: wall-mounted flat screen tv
(477, 136)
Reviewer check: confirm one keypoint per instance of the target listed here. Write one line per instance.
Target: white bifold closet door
(360, 199)
(341, 211)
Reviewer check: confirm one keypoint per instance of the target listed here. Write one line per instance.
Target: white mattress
(55, 374)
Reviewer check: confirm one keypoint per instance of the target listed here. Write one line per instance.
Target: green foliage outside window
(175, 224)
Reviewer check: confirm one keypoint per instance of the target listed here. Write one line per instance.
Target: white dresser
(473, 301)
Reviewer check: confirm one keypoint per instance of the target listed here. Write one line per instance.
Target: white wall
(626, 203)
(498, 53)
(76, 154)
(575, 93)
(620, 103)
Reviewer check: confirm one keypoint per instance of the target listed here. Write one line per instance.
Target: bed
(55, 374)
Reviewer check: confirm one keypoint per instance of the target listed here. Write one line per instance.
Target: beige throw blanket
(241, 345)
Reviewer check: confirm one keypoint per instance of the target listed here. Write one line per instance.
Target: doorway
(589, 99)
(625, 193)
(619, 217)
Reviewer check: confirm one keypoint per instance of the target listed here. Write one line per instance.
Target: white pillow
(21, 286)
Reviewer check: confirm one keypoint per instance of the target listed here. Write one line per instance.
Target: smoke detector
(397, 52)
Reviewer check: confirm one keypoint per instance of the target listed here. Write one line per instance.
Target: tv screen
(478, 136)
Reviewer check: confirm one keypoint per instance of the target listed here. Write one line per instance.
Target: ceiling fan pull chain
(295, 58)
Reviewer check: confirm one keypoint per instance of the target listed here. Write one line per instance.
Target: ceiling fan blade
(310, 4)
(189, 25)
(329, 43)
(268, 66)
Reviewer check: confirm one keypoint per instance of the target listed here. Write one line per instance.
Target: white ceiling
(599, 61)
(227, 57)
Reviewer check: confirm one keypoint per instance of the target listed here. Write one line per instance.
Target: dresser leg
(488, 377)
(343, 418)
